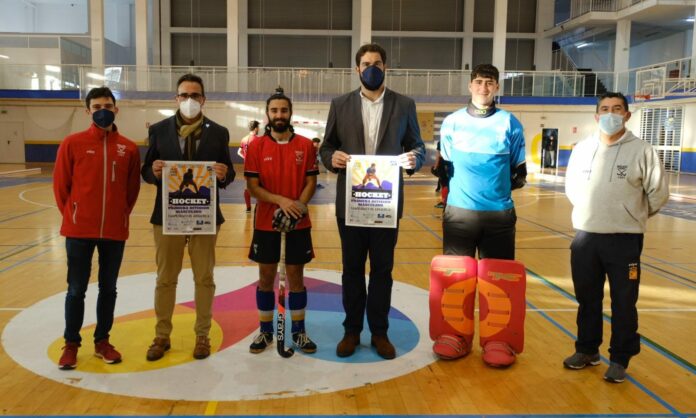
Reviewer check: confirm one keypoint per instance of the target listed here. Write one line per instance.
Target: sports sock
(298, 303)
(265, 302)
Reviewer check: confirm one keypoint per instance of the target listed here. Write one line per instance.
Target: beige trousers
(170, 255)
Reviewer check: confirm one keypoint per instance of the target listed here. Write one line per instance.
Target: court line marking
(570, 237)
(640, 386)
(24, 247)
(21, 197)
(675, 358)
(649, 343)
(210, 408)
(658, 271)
(24, 261)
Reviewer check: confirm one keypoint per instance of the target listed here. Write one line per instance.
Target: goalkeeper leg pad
(501, 288)
(452, 298)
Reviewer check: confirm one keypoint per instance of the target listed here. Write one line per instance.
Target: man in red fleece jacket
(96, 181)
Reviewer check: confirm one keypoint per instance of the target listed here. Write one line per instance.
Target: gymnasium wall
(46, 122)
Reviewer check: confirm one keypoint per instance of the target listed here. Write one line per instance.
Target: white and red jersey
(244, 144)
(281, 169)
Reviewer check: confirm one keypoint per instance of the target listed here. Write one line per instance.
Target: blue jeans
(80, 253)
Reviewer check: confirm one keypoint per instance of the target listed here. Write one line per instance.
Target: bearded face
(279, 115)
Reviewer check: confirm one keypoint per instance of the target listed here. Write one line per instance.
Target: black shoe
(440, 205)
(302, 341)
(261, 342)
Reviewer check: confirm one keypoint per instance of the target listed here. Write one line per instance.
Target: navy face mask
(372, 77)
(103, 118)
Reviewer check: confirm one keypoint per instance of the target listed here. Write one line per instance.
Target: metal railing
(307, 84)
(582, 7)
(318, 84)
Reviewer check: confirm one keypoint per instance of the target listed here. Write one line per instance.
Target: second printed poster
(372, 191)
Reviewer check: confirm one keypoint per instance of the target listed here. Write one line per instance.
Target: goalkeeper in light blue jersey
(485, 146)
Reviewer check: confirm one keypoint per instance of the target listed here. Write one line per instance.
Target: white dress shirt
(371, 115)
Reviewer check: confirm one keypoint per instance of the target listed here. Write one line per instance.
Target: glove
(282, 222)
(405, 160)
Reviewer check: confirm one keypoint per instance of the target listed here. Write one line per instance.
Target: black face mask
(372, 77)
(103, 118)
(480, 113)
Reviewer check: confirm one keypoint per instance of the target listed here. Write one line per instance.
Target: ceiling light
(95, 76)
(52, 68)
(4, 57)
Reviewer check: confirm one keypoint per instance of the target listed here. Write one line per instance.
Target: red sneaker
(498, 354)
(450, 347)
(106, 352)
(68, 360)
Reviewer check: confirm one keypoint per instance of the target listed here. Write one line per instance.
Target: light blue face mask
(610, 123)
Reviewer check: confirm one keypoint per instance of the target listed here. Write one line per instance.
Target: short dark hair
(315, 139)
(98, 92)
(253, 125)
(370, 48)
(279, 95)
(612, 95)
(192, 78)
(485, 71)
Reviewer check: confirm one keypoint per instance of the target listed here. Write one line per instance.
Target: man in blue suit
(372, 120)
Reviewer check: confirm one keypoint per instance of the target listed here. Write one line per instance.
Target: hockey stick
(280, 327)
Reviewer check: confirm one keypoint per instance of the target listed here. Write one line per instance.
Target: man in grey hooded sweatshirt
(615, 181)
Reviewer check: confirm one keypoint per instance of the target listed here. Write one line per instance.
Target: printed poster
(372, 191)
(188, 198)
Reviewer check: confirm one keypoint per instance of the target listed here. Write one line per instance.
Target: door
(11, 142)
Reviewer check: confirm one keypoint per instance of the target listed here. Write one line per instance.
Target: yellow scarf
(186, 130)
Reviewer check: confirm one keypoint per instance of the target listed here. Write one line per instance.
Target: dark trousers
(492, 233)
(356, 244)
(80, 253)
(592, 258)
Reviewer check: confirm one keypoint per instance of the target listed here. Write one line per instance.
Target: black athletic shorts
(265, 247)
(492, 233)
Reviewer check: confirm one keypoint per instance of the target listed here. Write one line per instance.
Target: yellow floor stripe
(210, 408)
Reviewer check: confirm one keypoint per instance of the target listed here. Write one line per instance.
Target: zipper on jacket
(103, 214)
(113, 171)
(74, 213)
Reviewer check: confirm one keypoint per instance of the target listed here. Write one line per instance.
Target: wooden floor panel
(662, 379)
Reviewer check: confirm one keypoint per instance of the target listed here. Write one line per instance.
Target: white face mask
(190, 108)
(611, 123)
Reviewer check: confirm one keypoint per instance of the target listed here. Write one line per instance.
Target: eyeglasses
(194, 96)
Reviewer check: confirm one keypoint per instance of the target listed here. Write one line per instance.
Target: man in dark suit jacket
(370, 121)
(186, 136)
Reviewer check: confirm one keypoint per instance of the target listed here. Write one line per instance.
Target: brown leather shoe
(385, 349)
(157, 349)
(202, 348)
(346, 347)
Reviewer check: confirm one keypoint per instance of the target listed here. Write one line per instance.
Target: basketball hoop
(640, 99)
